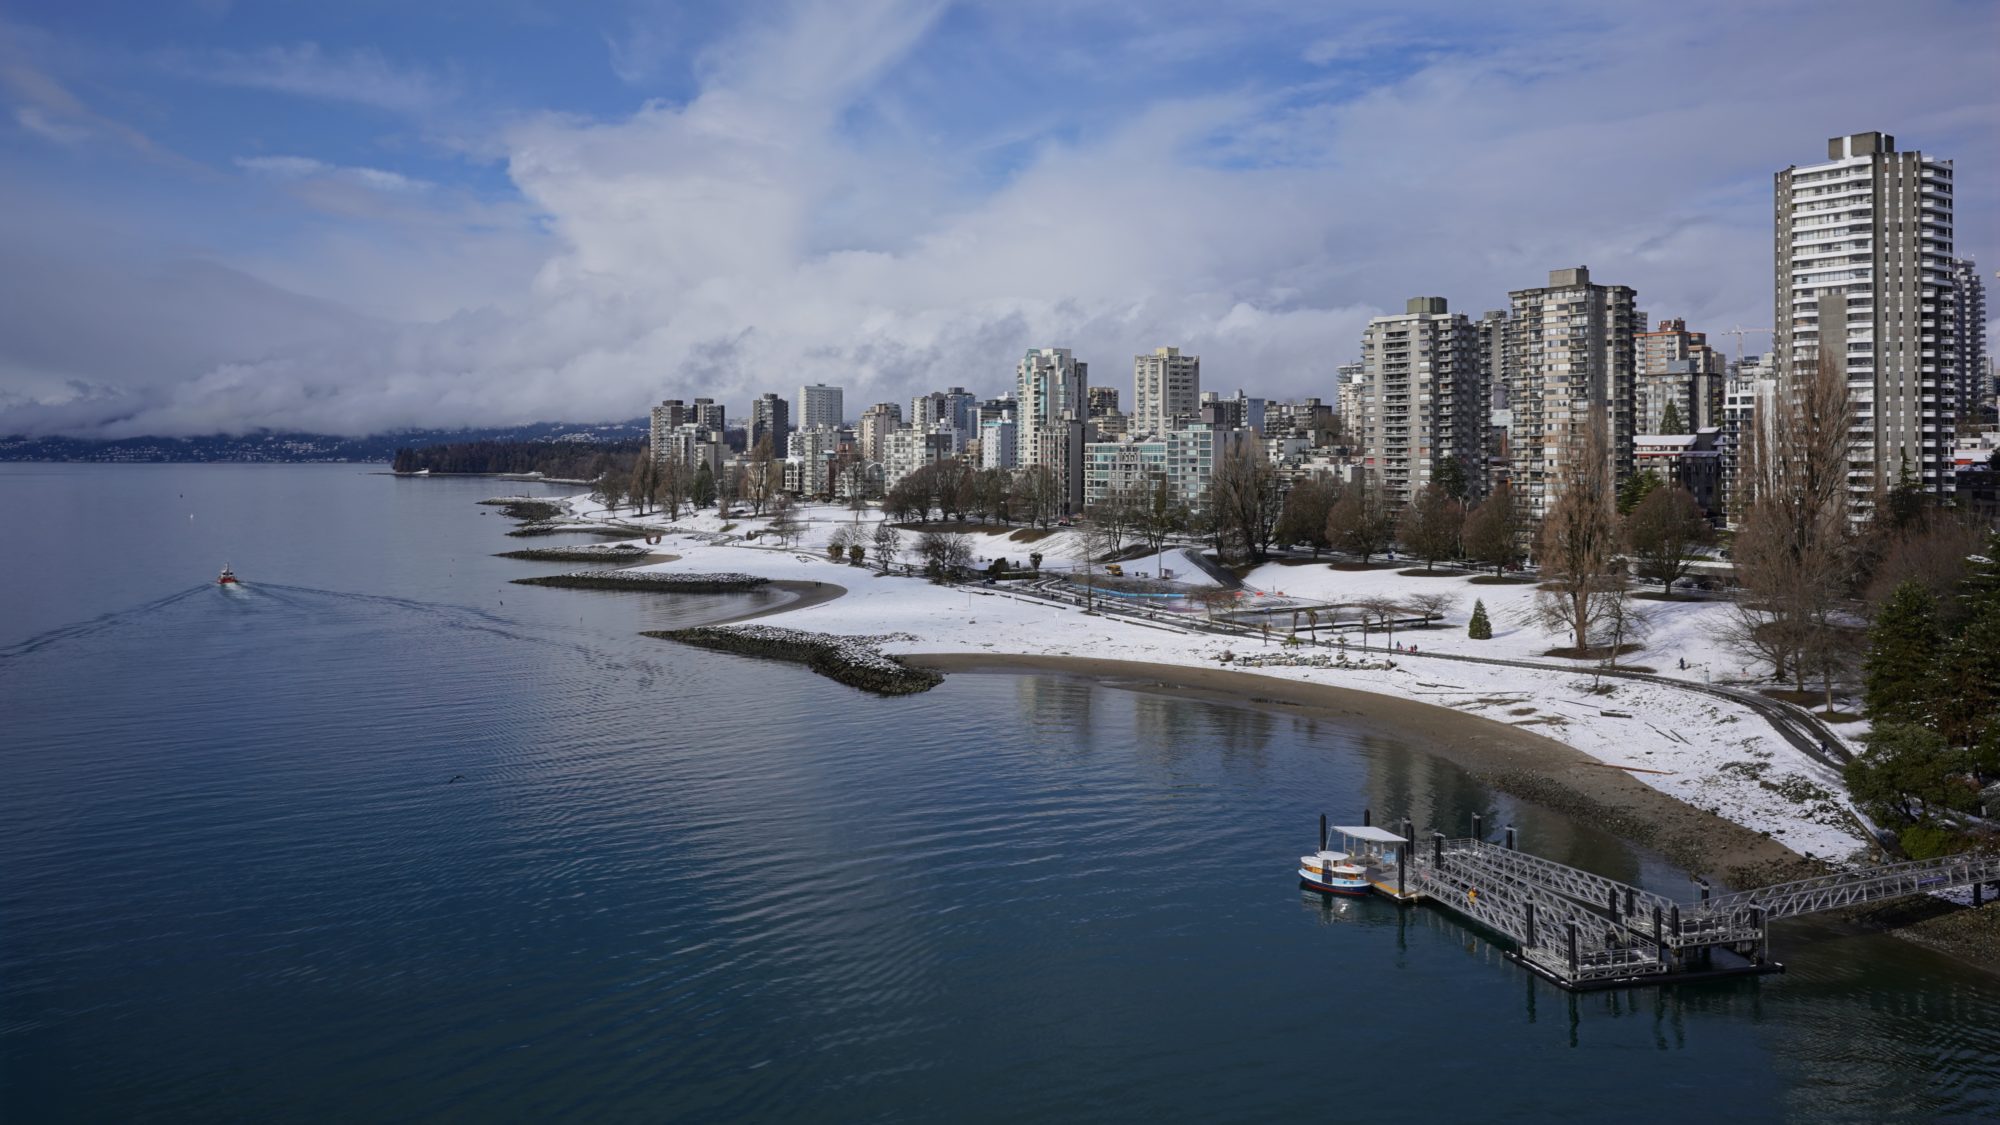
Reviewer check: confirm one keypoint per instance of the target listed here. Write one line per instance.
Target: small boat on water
(1364, 854)
(1331, 872)
(228, 577)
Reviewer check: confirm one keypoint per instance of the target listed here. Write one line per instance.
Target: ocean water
(381, 837)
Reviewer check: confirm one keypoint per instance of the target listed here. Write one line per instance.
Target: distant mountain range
(293, 447)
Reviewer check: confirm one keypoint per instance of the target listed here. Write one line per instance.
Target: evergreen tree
(1906, 501)
(1903, 647)
(1670, 419)
(1480, 628)
(1967, 710)
(1637, 487)
(704, 486)
(1451, 477)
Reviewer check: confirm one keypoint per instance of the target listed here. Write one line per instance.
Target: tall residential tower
(1571, 359)
(1166, 390)
(1864, 278)
(1423, 403)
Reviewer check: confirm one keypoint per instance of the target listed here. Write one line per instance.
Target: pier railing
(1588, 930)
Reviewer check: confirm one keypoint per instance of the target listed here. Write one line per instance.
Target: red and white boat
(228, 577)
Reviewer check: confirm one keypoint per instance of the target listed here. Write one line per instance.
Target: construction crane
(1738, 332)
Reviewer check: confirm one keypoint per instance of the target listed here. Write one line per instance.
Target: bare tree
(731, 488)
(645, 475)
(610, 490)
(672, 486)
(1159, 514)
(1624, 622)
(888, 541)
(1662, 530)
(784, 520)
(758, 486)
(1112, 517)
(1433, 605)
(1093, 541)
(1794, 552)
(1303, 519)
(1039, 494)
(1493, 530)
(946, 555)
(1582, 573)
(1361, 522)
(1431, 525)
(1245, 502)
(1385, 611)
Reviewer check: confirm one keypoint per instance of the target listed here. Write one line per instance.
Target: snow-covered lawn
(1709, 752)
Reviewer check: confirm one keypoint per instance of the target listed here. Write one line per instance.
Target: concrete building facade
(1424, 402)
(1976, 390)
(770, 416)
(1863, 277)
(1677, 366)
(818, 405)
(1166, 390)
(1570, 360)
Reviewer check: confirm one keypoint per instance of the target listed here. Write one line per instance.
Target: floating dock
(1584, 931)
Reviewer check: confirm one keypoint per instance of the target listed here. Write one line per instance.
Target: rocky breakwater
(669, 582)
(587, 552)
(854, 661)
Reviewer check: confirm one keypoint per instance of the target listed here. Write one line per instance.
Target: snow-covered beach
(1707, 779)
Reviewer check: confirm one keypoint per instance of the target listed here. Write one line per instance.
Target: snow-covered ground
(1708, 752)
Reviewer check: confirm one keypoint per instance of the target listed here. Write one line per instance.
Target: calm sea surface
(239, 881)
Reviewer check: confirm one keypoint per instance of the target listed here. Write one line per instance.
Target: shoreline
(809, 594)
(1525, 765)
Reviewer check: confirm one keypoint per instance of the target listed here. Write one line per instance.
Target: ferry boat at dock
(1356, 866)
(1330, 871)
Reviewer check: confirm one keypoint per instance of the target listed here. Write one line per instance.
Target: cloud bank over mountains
(898, 197)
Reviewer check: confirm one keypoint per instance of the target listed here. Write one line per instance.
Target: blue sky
(363, 216)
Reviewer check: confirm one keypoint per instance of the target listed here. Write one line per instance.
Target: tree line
(566, 460)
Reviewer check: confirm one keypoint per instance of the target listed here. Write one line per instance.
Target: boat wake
(98, 624)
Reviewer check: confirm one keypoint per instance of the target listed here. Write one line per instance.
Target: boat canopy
(1369, 833)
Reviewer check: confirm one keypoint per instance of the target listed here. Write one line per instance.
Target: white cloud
(37, 121)
(362, 77)
(301, 167)
(754, 238)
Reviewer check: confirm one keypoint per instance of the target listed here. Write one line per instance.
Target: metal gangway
(1584, 930)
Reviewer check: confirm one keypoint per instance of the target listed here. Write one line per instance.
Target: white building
(814, 449)
(908, 449)
(1424, 403)
(1748, 408)
(1968, 327)
(877, 423)
(1166, 390)
(1185, 457)
(1570, 354)
(1050, 411)
(998, 447)
(1864, 274)
(818, 405)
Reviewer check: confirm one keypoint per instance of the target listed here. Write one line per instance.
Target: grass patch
(1032, 534)
(1591, 653)
(1442, 572)
(1500, 580)
(1362, 566)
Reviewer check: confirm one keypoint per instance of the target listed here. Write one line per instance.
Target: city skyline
(352, 225)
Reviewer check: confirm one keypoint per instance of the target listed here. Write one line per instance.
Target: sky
(351, 218)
